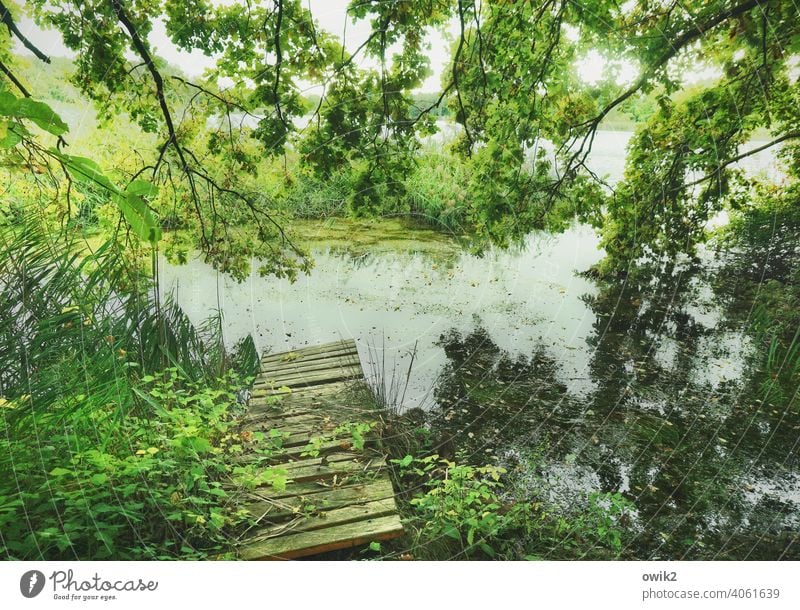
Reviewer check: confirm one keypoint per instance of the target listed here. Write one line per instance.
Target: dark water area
(649, 387)
(711, 465)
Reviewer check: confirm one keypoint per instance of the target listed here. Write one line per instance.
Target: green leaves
(142, 188)
(85, 171)
(405, 462)
(38, 112)
(139, 217)
(131, 201)
(9, 137)
(99, 479)
(82, 170)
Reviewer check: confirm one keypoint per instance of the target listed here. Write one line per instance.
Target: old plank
(322, 499)
(312, 415)
(304, 352)
(349, 352)
(304, 365)
(313, 378)
(319, 478)
(262, 395)
(295, 453)
(277, 380)
(338, 469)
(348, 513)
(325, 540)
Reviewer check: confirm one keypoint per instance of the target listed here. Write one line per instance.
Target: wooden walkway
(340, 498)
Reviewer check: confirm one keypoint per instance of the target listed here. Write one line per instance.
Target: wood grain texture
(335, 497)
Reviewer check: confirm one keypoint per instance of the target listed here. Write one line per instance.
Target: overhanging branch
(5, 17)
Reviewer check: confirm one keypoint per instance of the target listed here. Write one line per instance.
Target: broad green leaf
(142, 188)
(41, 114)
(8, 103)
(99, 479)
(85, 171)
(59, 472)
(38, 112)
(488, 550)
(197, 444)
(139, 217)
(8, 135)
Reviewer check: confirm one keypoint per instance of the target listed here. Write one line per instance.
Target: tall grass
(389, 383)
(111, 406)
(436, 192)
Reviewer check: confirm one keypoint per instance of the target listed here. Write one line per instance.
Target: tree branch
(5, 17)
(716, 171)
(456, 59)
(579, 156)
(278, 62)
(10, 75)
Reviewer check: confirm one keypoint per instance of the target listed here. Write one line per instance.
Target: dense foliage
(118, 410)
(511, 84)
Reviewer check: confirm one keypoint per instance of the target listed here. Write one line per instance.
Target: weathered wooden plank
(340, 456)
(324, 540)
(303, 352)
(349, 352)
(295, 453)
(308, 430)
(285, 419)
(276, 380)
(302, 489)
(291, 439)
(333, 469)
(314, 427)
(312, 360)
(328, 462)
(349, 513)
(344, 474)
(309, 365)
(260, 395)
(312, 415)
(310, 348)
(314, 377)
(324, 499)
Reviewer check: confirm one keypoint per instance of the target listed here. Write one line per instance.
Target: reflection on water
(712, 469)
(638, 387)
(397, 300)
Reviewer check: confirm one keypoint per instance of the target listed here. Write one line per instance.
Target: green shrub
(115, 413)
(466, 511)
(122, 488)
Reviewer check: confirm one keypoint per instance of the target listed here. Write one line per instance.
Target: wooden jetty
(341, 497)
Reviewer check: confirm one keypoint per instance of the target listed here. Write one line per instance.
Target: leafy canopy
(511, 83)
